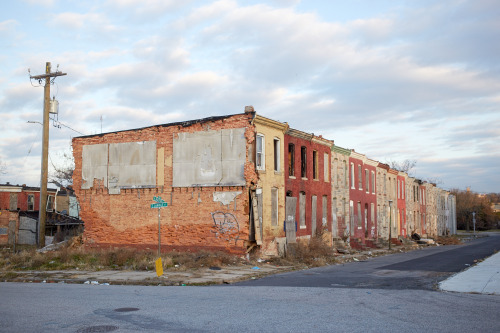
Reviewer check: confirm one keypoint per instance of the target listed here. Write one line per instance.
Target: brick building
(307, 183)
(19, 209)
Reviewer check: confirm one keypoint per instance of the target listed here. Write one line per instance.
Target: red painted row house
(363, 199)
(307, 178)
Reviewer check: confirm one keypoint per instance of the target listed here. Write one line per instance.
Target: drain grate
(126, 309)
(98, 329)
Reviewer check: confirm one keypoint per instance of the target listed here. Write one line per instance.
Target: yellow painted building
(270, 191)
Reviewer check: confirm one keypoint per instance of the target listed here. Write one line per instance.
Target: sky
(394, 80)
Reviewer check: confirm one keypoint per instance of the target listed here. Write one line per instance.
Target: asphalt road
(420, 269)
(371, 296)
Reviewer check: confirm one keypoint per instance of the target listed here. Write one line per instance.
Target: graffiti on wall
(226, 226)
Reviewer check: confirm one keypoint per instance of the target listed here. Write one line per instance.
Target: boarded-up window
(303, 162)
(274, 206)
(325, 167)
(208, 158)
(367, 181)
(360, 217)
(13, 201)
(324, 218)
(31, 202)
(314, 213)
(360, 178)
(302, 209)
(315, 164)
(373, 182)
(291, 159)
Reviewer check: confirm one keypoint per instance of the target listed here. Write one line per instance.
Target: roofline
(180, 123)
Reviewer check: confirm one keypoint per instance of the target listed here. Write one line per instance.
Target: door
(12, 232)
(290, 223)
(314, 210)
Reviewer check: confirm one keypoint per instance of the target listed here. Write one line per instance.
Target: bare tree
(404, 166)
(63, 172)
(3, 168)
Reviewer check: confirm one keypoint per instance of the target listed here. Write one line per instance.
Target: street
(369, 296)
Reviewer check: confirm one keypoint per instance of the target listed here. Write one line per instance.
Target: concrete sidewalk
(483, 278)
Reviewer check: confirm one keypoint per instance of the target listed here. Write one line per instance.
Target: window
(345, 174)
(303, 162)
(360, 217)
(372, 215)
(325, 167)
(360, 178)
(291, 159)
(352, 175)
(367, 181)
(315, 165)
(31, 202)
(260, 153)
(325, 207)
(50, 203)
(399, 189)
(351, 212)
(274, 206)
(302, 210)
(366, 217)
(385, 184)
(373, 182)
(276, 144)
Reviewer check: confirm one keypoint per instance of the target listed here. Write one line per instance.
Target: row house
(240, 182)
(340, 193)
(383, 201)
(270, 143)
(307, 183)
(362, 198)
(19, 209)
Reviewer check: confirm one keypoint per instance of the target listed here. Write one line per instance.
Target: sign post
(159, 203)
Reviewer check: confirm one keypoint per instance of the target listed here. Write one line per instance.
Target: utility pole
(42, 216)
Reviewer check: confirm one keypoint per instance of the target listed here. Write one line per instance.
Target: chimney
(249, 109)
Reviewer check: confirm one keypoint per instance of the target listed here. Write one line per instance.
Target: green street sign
(159, 205)
(158, 199)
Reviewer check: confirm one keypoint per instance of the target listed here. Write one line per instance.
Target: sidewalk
(483, 278)
(204, 276)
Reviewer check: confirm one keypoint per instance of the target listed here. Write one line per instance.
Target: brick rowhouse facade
(363, 198)
(340, 192)
(308, 179)
(215, 217)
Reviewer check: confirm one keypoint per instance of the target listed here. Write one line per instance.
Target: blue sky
(394, 80)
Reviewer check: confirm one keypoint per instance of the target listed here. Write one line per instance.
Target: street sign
(159, 205)
(158, 199)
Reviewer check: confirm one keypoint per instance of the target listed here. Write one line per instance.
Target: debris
(355, 259)
(260, 260)
(427, 241)
(104, 284)
(215, 268)
(255, 267)
(44, 281)
(415, 236)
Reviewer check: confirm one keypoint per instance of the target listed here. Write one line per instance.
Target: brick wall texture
(188, 222)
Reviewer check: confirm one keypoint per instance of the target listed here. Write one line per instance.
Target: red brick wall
(310, 186)
(365, 198)
(127, 219)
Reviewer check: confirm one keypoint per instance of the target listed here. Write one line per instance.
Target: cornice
(340, 150)
(299, 134)
(260, 120)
